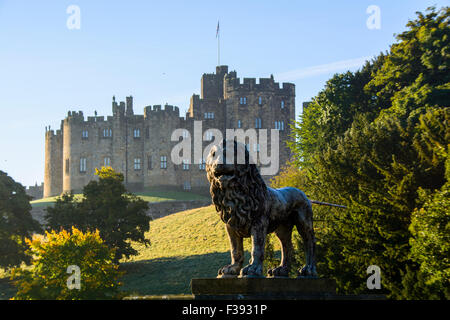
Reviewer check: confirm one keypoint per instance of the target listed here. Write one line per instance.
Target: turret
(212, 83)
(118, 110)
(53, 163)
(129, 106)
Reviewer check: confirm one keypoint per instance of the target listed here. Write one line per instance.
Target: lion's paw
(278, 272)
(252, 270)
(231, 270)
(308, 272)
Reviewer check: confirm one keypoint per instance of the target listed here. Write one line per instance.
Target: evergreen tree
(16, 222)
(376, 141)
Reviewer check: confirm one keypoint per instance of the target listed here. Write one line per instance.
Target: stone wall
(156, 209)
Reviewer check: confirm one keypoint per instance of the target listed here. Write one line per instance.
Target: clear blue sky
(157, 52)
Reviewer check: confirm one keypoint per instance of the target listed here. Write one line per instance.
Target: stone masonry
(140, 146)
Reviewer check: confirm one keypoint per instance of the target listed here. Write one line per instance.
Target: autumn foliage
(52, 254)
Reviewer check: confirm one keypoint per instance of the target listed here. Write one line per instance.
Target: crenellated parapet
(74, 117)
(157, 112)
(233, 83)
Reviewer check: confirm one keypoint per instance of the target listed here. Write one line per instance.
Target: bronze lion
(251, 209)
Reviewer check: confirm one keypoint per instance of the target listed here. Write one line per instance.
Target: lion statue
(251, 209)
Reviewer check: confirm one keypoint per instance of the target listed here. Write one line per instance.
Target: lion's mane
(240, 199)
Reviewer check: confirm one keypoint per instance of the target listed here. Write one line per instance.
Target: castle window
(282, 104)
(202, 164)
(67, 166)
(187, 185)
(137, 164)
(163, 162)
(107, 162)
(147, 132)
(185, 164)
(260, 100)
(243, 100)
(107, 133)
(258, 123)
(85, 134)
(83, 164)
(137, 133)
(149, 164)
(239, 124)
(209, 115)
(279, 125)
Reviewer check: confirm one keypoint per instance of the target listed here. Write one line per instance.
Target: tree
(16, 222)
(107, 206)
(375, 140)
(57, 259)
(430, 241)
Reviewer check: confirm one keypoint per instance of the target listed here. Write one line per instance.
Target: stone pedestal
(263, 288)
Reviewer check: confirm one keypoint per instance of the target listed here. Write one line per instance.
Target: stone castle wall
(136, 144)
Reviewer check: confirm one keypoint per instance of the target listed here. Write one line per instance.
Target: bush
(48, 277)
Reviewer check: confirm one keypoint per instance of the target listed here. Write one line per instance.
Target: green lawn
(185, 245)
(148, 195)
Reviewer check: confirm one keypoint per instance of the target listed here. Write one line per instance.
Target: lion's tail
(327, 204)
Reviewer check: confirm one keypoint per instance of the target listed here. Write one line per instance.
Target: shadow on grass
(171, 275)
(7, 290)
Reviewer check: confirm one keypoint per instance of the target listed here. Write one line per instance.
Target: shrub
(48, 276)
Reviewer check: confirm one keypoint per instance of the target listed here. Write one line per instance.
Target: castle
(140, 146)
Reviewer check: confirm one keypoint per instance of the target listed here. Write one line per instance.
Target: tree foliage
(16, 222)
(377, 141)
(106, 206)
(48, 277)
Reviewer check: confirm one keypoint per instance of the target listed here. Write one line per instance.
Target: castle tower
(74, 172)
(53, 163)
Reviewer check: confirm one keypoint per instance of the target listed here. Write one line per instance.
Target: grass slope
(189, 244)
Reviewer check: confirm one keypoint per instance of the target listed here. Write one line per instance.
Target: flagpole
(218, 43)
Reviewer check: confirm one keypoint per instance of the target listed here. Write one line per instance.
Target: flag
(217, 31)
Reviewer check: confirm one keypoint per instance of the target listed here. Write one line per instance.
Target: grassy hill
(189, 244)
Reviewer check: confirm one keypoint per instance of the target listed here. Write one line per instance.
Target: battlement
(158, 111)
(96, 119)
(52, 133)
(233, 83)
(75, 115)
